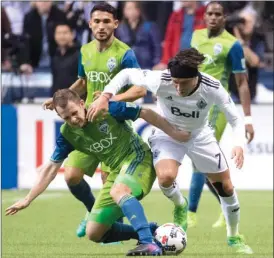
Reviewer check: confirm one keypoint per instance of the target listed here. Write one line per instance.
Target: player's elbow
(255, 62)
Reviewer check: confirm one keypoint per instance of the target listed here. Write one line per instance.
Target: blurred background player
(99, 61)
(224, 55)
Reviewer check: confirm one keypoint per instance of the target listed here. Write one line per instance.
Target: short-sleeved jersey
(189, 113)
(108, 140)
(224, 55)
(100, 67)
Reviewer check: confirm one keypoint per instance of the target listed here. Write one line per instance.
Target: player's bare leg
(167, 170)
(81, 191)
(231, 210)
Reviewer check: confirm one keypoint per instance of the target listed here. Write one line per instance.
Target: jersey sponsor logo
(177, 112)
(102, 77)
(104, 127)
(111, 64)
(217, 49)
(102, 144)
(201, 104)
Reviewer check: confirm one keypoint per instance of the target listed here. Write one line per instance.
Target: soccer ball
(172, 238)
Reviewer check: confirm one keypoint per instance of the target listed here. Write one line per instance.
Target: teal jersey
(224, 54)
(108, 140)
(100, 67)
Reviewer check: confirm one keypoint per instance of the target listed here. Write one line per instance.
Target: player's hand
(249, 133)
(238, 156)
(180, 136)
(98, 108)
(20, 205)
(48, 104)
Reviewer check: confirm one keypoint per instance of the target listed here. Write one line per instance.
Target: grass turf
(47, 228)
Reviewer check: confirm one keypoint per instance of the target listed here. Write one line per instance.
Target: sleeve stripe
(209, 85)
(165, 77)
(215, 83)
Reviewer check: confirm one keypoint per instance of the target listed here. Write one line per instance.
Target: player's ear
(90, 23)
(82, 103)
(116, 24)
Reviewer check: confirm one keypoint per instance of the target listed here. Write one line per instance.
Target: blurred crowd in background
(44, 38)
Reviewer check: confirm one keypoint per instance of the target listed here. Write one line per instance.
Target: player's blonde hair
(63, 96)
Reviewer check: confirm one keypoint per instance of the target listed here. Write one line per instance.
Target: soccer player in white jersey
(184, 98)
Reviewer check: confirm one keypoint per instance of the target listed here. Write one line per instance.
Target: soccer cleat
(191, 219)
(150, 249)
(180, 215)
(81, 230)
(220, 222)
(238, 243)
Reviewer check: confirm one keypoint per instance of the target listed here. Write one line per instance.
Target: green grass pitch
(46, 229)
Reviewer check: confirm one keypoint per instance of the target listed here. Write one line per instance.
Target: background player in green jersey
(224, 55)
(99, 61)
(132, 174)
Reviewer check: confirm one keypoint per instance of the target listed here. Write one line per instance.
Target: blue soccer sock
(134, 212)
(195, 191)
(83, 193)
(120, 232)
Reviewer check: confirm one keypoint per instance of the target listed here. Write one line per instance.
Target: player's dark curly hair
(190, 57)
(223, 4)
(63, 96)
(104, 7)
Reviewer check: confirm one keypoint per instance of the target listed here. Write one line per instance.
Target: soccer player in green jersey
(113, 141)
(99, 61)
(224, 55)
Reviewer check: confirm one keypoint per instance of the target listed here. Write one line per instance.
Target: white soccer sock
(173, 193)
(231, 210)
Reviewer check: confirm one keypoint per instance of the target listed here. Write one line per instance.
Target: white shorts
(203, 150)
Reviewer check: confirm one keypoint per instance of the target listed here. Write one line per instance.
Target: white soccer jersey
(189, 113)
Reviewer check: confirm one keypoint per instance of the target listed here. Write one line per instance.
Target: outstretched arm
(45, 177)
(227, 106)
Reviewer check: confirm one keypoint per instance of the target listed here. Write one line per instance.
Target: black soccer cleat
(150, 249)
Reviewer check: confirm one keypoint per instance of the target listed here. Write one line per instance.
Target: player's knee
(224, 189)
(119, 190)
(93, 235)
(73, 176)
(166, 177)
